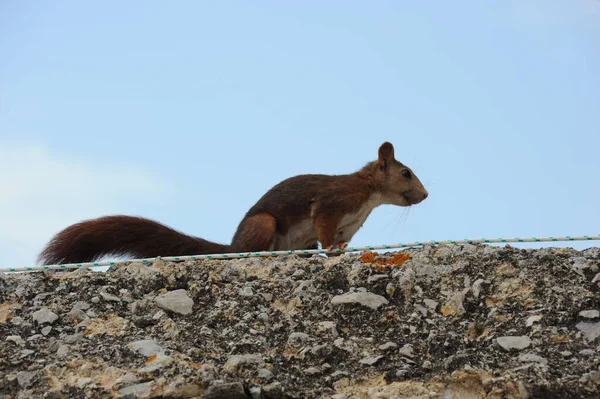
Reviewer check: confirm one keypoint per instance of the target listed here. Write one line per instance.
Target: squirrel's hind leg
(255, 233)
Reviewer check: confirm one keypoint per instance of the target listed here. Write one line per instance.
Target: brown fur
(295, 214)
(122, 235)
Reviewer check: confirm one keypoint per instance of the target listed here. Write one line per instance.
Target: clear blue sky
(187, 112)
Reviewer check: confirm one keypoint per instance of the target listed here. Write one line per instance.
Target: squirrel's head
(397, 183)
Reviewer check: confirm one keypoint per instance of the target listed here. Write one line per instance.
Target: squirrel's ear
(386, 155)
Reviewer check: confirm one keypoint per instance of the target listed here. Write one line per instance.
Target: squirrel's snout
(420, 196)
(413, 197)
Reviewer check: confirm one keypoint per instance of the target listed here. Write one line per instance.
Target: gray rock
(367, 299)
(137, 390)
(81, 305)
(519, 342)
(370, 360)
(176, 301)
(72, 339)
(421, 309)
(587, 352)
(407, 350)
(16, 339)
(83, 381)
(146, 347)
(304, 288)
(298, 337)
(45, 315)
(590, 330)
(388, 345)
(390, 289)
(532, 319)
(109, 297)
(26, 352)
(590, 314)
(235, 361)
(533, 358)
(263, 316)
(26, 378)
(401, 373)
(127, 378)
(376, 277)
(476, 288)
(267, 296)
(76, 315)
(206, 331)
(225, 390)
(63, 350)
(312, 371)
(330, 327)
(265, 374)
(430, 303)
(247, 292)
(457, 303)
(298, 273)
(338, 374)
(46, 330)
(273, 390)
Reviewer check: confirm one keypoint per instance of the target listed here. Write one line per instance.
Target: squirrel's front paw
(341, 245)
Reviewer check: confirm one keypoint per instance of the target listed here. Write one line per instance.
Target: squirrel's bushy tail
(133, 236)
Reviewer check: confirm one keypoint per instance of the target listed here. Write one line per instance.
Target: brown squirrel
(297, 213)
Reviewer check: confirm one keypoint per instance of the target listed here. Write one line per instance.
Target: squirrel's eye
(406, 173)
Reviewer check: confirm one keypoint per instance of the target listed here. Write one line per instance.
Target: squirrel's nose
(425, 194)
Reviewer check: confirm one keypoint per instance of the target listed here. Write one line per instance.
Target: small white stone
(532, 319)
(83, 381)
(265, 374)
(533, 358)
(45, 315)
(430, 303)
(16, 339)
(388, 345)
(407, 350)
(176, 301)
(63, 350)
(312, 371)
(146, 347)
(590, 330)
(370, 360)
(519, 342)
(367, 299)
(590, 314)
(298, 337)
(109, 297)
(477, 287)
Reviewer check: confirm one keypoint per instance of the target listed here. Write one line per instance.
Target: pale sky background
(187, 112)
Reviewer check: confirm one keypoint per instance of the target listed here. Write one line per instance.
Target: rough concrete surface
(436, 322)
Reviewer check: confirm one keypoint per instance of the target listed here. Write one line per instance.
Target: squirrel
(297, 213)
